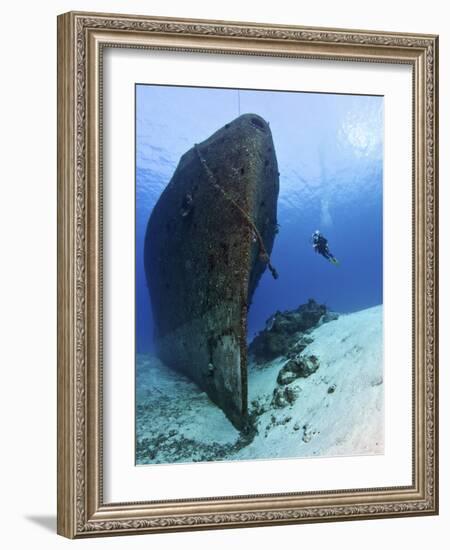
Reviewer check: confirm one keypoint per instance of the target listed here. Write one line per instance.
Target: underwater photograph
(258, 275)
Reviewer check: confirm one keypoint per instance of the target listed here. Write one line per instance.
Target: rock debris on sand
(327, 399)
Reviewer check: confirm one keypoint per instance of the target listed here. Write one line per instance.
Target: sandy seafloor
(338, 410)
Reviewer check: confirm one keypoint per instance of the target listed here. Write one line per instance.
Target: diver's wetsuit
(321, 246)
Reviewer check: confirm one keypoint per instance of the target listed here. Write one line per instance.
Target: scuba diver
(320, 245)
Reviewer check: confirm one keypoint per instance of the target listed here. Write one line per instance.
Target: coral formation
(286, 331)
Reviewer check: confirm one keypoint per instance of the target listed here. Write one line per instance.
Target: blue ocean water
(330, 157)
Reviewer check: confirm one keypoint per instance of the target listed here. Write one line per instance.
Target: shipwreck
(208, 241)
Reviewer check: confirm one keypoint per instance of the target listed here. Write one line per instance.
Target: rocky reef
(286, 332)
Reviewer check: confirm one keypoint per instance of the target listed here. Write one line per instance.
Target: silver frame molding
(81, 39)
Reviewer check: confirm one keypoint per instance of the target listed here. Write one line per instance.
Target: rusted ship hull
(208, 241)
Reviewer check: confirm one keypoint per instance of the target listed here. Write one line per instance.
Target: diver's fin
(334, 261)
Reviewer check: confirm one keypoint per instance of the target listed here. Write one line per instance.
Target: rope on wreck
(263, 255)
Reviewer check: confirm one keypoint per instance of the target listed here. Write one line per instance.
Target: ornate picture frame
(82, 40)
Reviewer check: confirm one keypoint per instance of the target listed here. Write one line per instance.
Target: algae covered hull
(208, 241)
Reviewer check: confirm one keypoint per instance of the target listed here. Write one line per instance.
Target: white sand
(339, 409)
(176, 410)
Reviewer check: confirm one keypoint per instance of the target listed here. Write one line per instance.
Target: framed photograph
(247, 274)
